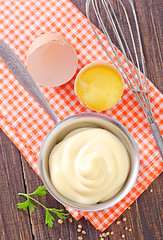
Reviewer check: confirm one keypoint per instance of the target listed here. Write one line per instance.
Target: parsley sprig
(40, 191)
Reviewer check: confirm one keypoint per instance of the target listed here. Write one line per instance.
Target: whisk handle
(158, 138)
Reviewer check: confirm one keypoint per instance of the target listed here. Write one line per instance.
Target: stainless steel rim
(114, 200)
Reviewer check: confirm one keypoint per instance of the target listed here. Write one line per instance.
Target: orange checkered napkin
(27, 124)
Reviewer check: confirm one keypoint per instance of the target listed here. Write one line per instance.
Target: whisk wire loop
(138, 83)
(145, 90)
(142, 60)
(141, 92)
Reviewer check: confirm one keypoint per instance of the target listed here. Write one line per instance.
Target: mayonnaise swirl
(89, 165)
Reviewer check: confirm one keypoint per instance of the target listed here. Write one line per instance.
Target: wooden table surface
(144, 217)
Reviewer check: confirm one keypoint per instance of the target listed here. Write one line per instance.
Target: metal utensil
(19, 71)
(139, 84)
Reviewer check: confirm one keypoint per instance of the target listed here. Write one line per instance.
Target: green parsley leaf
(59, 212)
(49, 219)
(40, 191)
(31, 206)
(23, 205)
(26, 204)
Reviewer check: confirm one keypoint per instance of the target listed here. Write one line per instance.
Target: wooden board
(145, 215)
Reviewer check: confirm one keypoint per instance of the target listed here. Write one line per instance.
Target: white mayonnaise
(89, 165)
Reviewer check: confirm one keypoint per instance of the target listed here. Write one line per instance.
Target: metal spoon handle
(19, 71)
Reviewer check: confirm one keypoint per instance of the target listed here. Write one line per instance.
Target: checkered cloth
(27, 124)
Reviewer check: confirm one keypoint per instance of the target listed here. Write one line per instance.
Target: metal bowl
(85, 120)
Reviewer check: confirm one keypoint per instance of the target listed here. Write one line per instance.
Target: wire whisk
(138, 83)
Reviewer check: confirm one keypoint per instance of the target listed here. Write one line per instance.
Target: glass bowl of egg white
(89, 162)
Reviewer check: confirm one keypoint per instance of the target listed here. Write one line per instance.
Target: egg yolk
(99, 87)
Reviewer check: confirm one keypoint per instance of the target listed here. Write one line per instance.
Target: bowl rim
(111, 202)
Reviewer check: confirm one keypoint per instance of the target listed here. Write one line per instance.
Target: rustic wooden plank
(145, 215)
(14, 223)
(151, 24)
(140, 229)
(151, 212)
